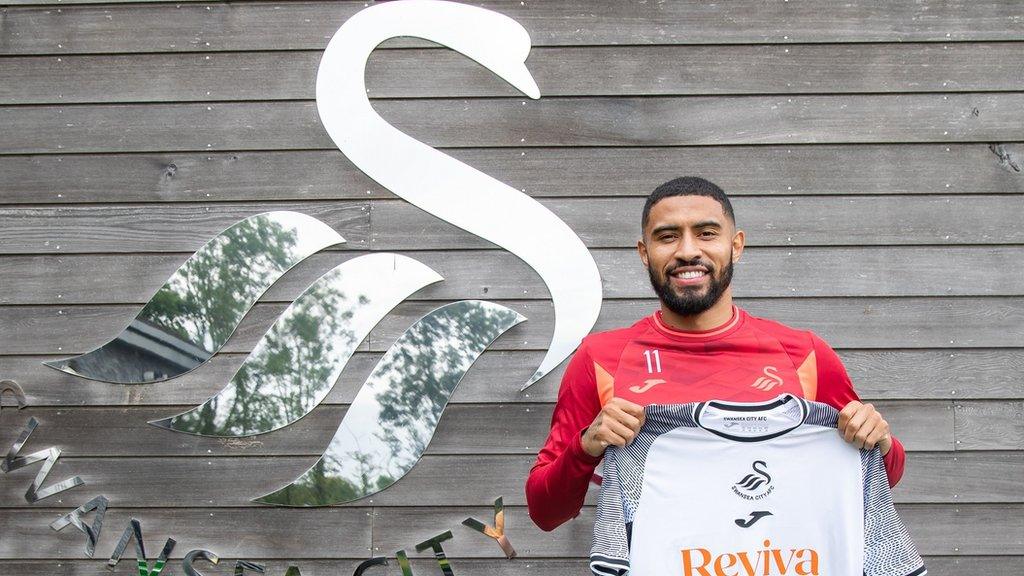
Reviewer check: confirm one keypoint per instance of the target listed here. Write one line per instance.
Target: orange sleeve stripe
(808, 374)
(605, 384)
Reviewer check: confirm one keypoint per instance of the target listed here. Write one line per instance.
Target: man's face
(689, 247)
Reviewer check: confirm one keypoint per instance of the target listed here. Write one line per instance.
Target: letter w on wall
(49, 457)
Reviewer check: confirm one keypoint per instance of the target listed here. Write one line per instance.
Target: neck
(711, 318)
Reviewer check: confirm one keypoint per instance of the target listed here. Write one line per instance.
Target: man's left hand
(862, 425)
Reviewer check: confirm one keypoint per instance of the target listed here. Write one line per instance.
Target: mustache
(698, 262)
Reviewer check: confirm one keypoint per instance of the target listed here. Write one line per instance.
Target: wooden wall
(873, 149)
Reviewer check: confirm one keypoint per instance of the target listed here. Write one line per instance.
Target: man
(698, 346)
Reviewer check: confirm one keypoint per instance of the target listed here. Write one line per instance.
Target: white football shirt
(747, 489)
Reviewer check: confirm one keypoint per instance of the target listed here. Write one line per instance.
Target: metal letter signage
(15, 389)
(497, 531)
(134, 530)
(48, 456)
(93, 531)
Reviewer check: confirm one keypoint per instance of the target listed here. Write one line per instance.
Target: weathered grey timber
(496, 122)
(912, 322)
(552, 172)
(933, 477)
(396, 225)
(625, 71)
(874, 150)
(937, 566)
(465, 429)
(880, 271)
(344, 532)
(891, 374)
(307, 25)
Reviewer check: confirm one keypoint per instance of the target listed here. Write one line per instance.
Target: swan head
(497, 43)
(493, 40)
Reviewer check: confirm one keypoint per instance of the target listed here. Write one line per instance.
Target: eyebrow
(707, 223)
(675, 227)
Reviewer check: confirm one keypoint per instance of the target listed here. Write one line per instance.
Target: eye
(709, 234)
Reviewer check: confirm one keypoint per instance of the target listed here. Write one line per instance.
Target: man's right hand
(616, 424)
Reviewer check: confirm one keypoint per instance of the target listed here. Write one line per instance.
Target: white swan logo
(442, 185)
(434, 182)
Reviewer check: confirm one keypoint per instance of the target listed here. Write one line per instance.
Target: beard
(691, 301)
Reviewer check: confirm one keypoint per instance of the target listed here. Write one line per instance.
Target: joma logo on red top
(767, 562)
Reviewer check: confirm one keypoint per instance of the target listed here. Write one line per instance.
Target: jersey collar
(750, 409)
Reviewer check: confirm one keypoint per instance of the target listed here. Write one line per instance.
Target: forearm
(555, 490)
(558, 481)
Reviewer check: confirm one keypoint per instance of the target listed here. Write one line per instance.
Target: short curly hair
(686, 186)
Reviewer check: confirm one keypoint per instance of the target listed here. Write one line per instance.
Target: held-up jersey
(746, 359)
(747, 489)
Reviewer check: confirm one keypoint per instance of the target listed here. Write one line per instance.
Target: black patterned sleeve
(888, 549)
(609, 553)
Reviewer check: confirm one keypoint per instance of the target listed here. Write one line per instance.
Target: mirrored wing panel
(296, 363)
(394, 415)
(200, 305)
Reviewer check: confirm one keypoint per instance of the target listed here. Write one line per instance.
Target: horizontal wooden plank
(952, 374)
(932, 322)
(762, 272)
(966, 374)
(951, 478)
(937, 566)
(324, 533)
(42, 3)
(488, 122)
(991, 424)
(177, 227)
(936, 529)
(831, 221)
(962, 477)
(587, 172)
(599, 222)
(845, 322)
(624, 71)
(54, 3)
(464, 429)
(305, 25)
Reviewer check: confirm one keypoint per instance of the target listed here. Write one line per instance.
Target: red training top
(747, 359)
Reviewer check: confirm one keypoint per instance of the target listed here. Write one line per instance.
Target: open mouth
(688, 275)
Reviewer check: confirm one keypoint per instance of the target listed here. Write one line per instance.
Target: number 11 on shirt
(656, 366)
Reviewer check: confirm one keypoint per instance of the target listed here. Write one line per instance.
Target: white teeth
(689, 274)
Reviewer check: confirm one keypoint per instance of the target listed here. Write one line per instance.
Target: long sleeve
(836, 390)
(558, 481)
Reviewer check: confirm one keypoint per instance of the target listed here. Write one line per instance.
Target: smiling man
(698, 346)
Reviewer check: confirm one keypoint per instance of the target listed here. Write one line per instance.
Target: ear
(738, 240)
(641, 248)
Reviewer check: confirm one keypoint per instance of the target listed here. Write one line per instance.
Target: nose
(687, 249)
